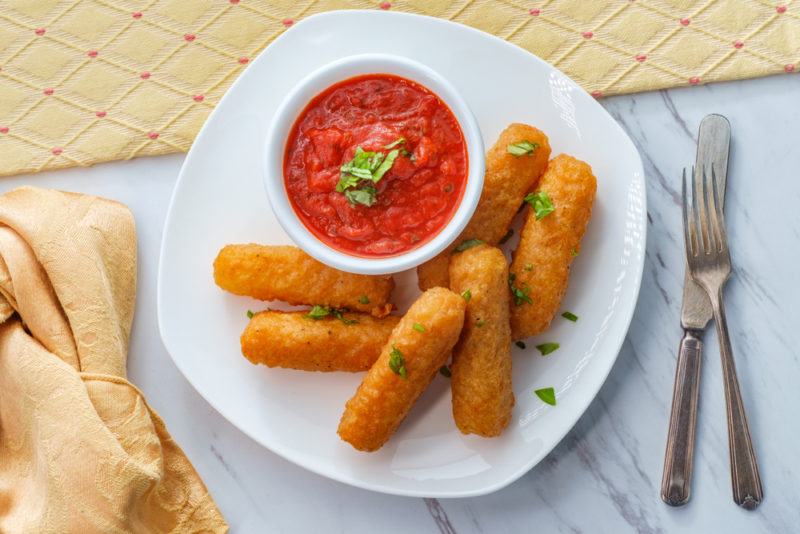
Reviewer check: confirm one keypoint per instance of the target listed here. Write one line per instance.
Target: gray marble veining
(605, 475)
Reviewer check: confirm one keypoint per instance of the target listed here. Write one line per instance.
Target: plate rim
(282, 451)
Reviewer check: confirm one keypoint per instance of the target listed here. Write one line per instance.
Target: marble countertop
(605, 475)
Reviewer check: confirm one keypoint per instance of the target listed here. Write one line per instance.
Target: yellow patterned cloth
(80, 449)
(85, 81)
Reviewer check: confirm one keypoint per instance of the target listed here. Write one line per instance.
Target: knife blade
(712, 150)
(713, 144)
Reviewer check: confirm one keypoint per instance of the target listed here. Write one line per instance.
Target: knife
(713, 144)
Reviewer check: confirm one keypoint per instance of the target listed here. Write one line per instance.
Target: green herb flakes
(547, 348)
(569, 316)
(363, 299)
(318, 312)
(541, 204)
(445, 371)
(467, 294)
(520, 294)
(529, 267)
(397, 363)
(469, 243)
(547, 395)
(522, 148)
(418, 327)
(250, 314)
(520, 344)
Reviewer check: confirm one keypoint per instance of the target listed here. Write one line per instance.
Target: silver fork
(710, 266)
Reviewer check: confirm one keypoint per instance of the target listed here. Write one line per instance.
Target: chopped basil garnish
(547, 348)
(520, 344)
(507, 236)
(366, 166)
(397, 363)
(398, 141)
(250, 314)
(365, 196)
(385, 166)
(418, 327)
(469, 243)
(569, 316)
(520, 294)
(547, 395)
(363, 299)
(467, 294)
(445, 371)
(338, 314)
(522, 148)
(541, 204)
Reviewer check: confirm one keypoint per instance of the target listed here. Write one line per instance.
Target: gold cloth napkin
(85, 81)
(80, 449)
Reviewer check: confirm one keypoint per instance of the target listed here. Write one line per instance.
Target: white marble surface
(605, 475)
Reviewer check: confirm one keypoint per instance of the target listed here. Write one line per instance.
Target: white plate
(219, 198)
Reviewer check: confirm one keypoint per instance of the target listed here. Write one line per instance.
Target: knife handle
(676, 483)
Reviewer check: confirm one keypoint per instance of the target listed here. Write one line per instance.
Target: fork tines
(703, 219)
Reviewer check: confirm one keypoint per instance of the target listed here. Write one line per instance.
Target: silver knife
(713, 144)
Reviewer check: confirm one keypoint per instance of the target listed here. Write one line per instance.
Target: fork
(709, 263)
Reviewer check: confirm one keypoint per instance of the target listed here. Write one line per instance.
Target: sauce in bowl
(375, 165)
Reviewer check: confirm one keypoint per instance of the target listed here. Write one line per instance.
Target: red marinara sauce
(412, 201)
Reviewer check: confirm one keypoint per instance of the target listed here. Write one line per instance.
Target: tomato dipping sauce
(376, 165)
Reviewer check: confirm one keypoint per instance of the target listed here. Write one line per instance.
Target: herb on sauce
(365, 166)
(395, 143)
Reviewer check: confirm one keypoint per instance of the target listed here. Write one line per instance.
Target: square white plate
(219, 199)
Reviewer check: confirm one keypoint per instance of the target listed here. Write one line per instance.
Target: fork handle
(747, 490)
(677, 479)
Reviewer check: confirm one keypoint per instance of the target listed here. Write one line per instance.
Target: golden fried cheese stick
(289, 274)
(419, 345)
(481, 369)
(540, 269)
(294, 340)
(508, 178)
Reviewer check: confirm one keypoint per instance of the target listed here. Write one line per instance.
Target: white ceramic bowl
(293, 105)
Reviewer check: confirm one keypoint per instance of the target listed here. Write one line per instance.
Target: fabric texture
(85, 81)
(80, 449)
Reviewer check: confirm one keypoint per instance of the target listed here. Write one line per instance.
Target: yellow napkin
(80, 449)
(85, 81)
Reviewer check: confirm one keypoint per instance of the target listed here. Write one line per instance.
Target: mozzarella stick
(289, 274)
(508, 178)
(293, 340)
(418, 346)
(540, 269)
(481, 369)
